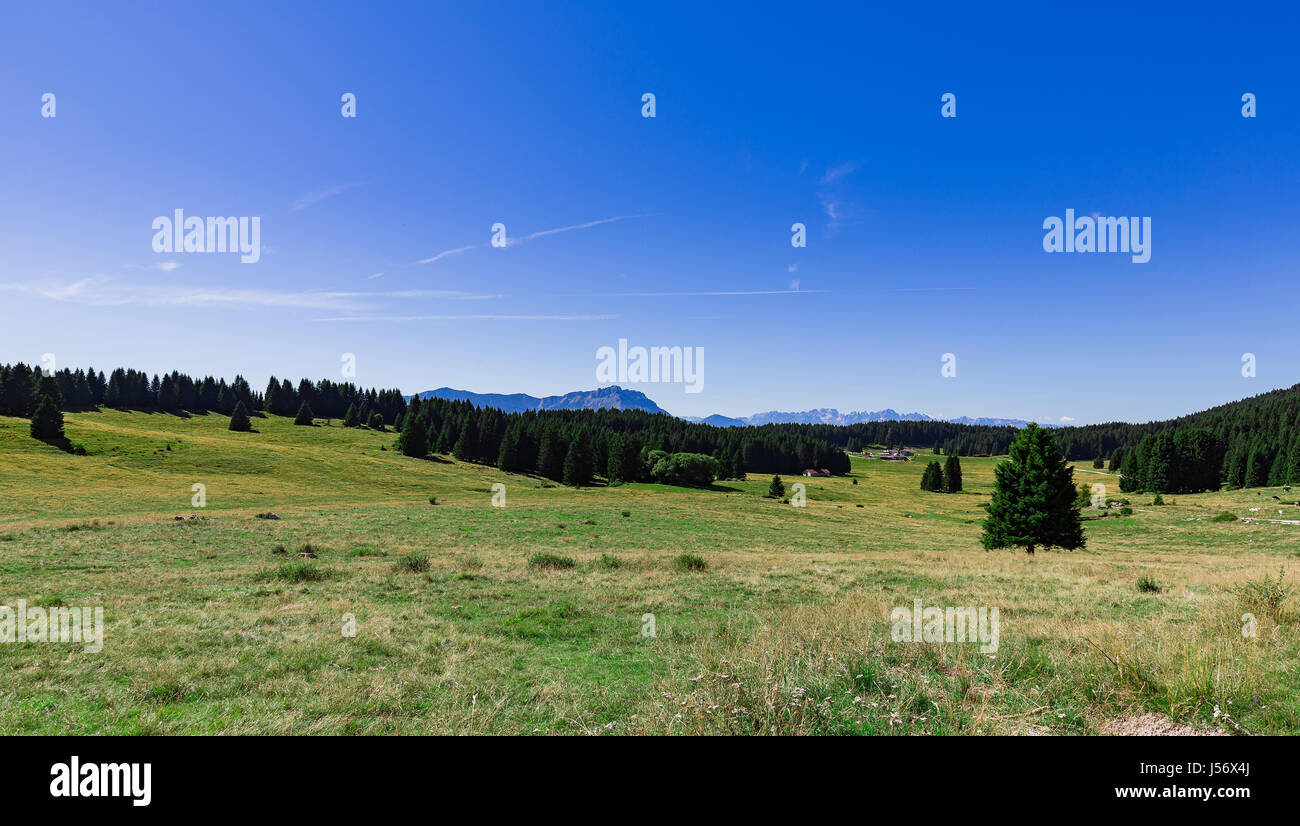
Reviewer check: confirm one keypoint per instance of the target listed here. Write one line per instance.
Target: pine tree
(376, 421)
(1133, 474)
(351, 418)
(932, 477)
(1160, 464)
(466, 448)
(624, 460)
(1033, 497)
(1256, 468)
(1277, 471)
(1234, 467)
(577, 463)
(18, 393)
(47, 386)
(508, 455)
(47, 419)
(446, 439)
(1117, 460)
(776, 490)
(226, 401)
(239, 420)
(271, 400)
(614, 463)
(738, 465)
(550, 460)
(412, 441)
(304, 416)
(723, 464)
(1293, 464)
(952, 475)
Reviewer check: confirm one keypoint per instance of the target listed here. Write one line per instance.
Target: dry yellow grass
(786, 631)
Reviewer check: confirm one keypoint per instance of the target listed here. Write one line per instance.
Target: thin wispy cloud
(102, 290)
(837, 172)
(473, 317)
(319, 195)
(373, 277)
(455, 295)
(167, 266)
(690, 294)
(832, 206)
(558, 230)
(511, 241)
(446, 253)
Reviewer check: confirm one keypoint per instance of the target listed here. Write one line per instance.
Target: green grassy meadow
(217, 625)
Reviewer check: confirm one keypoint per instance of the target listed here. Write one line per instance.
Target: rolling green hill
(216, 624)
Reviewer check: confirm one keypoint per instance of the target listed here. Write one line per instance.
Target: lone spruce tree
(47, 420)
(304, 416)
(777, 489)
(1033, 497)
(952, 475)
(239, 419)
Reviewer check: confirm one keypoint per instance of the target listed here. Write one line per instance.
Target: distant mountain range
(613, 397)
(618, 398)
(829, 415)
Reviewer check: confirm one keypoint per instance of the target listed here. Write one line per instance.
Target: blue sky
(924, 233)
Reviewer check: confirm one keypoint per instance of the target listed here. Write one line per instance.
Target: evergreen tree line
(950, 438)
(1255, 442)
(31, 394)
(1257, 437)
(576, 446)
(1248, 443)
(573, 446)
(175, 392)
(1189, 460)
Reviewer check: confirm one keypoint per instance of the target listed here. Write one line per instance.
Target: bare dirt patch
(1154, 725)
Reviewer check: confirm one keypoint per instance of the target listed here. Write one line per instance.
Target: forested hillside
(1246, 443)
(574, 446)
(1251, 442)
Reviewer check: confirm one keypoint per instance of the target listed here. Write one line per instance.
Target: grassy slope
(786, 631)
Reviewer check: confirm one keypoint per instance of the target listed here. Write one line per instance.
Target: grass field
(786, 629)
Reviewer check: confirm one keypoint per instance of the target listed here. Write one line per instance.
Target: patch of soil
(1154, 725)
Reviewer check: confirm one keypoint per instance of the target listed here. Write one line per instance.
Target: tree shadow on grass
(65, 444)
(721, 488)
